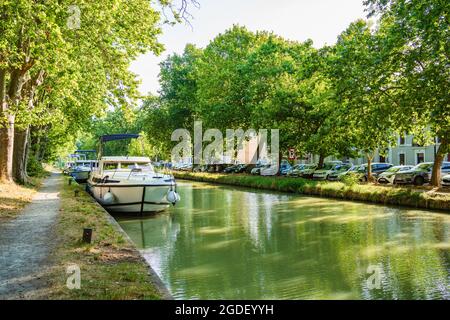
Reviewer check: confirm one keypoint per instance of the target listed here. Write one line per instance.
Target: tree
(359, 69)
(222, 79)
(178, 78)
(38, 48)
(419, 32)
(288, 89)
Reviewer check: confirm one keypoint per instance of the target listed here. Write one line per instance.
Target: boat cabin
(125, 164)
(87, 163)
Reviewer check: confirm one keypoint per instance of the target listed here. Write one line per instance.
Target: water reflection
(226, 243)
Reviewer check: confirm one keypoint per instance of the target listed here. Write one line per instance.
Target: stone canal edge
(155, 279)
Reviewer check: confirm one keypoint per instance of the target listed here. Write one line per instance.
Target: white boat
(131, 185)
(82, 168)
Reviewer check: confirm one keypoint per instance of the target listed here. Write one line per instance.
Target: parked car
(240, 168)
(201, 168)
(269, 170)
(295, 168)
(306, 171)
(419, 174)
(182, 166)
(230, 169)
(256, 170)
(446, 180)
(285, 167)
(377, 168)
(389, 175)
(340, 171)
(328, 167)
(338, 174)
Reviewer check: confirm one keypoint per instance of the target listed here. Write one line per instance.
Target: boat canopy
(121, 136)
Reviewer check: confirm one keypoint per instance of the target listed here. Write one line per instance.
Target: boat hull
(132, 198)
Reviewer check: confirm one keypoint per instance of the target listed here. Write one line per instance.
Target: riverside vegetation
(349, 190)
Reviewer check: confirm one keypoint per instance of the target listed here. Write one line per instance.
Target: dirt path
(25, 244)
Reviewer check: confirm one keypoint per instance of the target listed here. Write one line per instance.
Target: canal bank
(223, 242)
(387, 195)
(110, 266)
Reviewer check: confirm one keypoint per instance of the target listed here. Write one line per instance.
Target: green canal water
(230, 243)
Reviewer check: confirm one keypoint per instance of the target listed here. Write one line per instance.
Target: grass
(403, 196)
(111, 268)
(14, 197)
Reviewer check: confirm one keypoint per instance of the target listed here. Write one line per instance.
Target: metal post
(87, 235)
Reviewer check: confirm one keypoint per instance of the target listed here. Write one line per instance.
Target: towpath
(26, 243)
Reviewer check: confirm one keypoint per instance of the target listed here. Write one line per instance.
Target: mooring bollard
(76, 193)
(87, 235)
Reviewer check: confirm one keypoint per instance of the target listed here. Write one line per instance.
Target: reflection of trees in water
(237, 244)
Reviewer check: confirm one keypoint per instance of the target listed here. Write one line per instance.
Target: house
(408, 151)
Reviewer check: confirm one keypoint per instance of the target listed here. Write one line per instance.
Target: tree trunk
(21, 142)
(321, 161)
(6, 150)
(436, 173)
(369, 168)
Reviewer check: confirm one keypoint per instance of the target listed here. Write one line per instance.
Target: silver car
(389, 175)
(446, 180)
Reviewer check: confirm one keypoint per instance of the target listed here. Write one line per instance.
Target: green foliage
(64, 62)
(350, 179)
(223, 79)
(35, 168)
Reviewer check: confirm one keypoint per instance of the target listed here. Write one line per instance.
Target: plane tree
(222, 79)
(41, 44)
(418, 33)
(360, 69)
(274, 96)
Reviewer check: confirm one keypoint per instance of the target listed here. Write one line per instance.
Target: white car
(389, 175)
(446, 180)
(269, 170)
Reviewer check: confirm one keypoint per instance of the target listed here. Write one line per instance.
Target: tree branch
(180, 13)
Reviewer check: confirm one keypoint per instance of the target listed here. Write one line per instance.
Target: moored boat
(81, 169)
(130, 184)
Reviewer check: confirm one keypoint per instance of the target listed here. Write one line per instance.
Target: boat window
(110, 166)
(139, 165)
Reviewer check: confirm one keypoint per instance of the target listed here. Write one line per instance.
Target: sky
(319, 20)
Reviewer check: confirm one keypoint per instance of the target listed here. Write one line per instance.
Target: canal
(223, 242)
